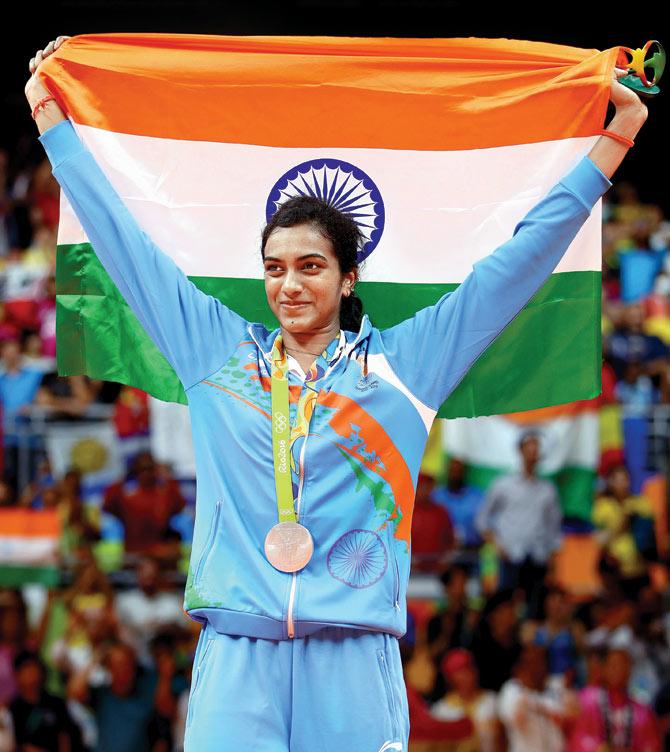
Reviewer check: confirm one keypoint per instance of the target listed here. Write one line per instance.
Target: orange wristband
(618, 137)
(41, 104)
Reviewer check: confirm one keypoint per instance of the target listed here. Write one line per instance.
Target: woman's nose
(291, 284)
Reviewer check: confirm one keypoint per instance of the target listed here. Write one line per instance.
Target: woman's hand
(35, 89)
(631, 114)
(623, 97)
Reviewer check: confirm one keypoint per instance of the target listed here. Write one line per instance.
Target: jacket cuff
(587, 182)
(61, 141)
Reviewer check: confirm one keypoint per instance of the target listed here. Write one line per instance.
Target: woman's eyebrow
(300, 258)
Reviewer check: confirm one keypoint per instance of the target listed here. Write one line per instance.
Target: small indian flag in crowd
(436, 147)
(569, 449)
(29, 544)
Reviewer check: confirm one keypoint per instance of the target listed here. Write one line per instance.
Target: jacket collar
(264, 339)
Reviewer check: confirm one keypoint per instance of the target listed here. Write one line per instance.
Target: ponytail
(351, 312)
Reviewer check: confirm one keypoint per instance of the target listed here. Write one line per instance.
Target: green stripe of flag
(14, 575)
(557, 334)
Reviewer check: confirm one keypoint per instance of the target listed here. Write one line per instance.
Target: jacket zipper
(291, 600)
(397, 581)
(396, 569)
(349, 348)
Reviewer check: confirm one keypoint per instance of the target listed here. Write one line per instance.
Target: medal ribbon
(283, 436)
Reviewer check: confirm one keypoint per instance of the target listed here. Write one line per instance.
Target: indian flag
(29, 546)
(569, 449)
(437, 147)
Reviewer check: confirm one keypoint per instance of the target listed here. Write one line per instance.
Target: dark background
(588, 25)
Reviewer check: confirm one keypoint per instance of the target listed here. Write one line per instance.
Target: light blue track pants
(336, 690)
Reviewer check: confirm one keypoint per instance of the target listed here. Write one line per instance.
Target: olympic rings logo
(280, 422)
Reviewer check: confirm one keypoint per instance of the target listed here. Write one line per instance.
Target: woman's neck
(306, 347)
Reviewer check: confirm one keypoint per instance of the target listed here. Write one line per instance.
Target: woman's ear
(350, 279)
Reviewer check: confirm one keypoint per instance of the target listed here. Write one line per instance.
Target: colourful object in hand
(644, 69)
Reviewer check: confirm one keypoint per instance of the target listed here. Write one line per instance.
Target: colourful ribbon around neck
(283, 436)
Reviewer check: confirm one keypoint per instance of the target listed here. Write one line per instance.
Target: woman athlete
(299, 647)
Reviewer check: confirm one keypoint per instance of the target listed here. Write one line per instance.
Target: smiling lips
(294, 305)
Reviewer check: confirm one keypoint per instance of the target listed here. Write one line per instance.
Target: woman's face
(303, 282)
(619, 483)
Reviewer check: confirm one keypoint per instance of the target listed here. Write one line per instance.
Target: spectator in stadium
(533, 715)
(144, 503)
(594, 663)
(625, 526)
(640, 264)
(662, 712)
(427, 730)
(148, 609)
(181, 714)
(46, 315)
(91, 621)
(13, 638)
(496, 642)
(6, 731)
(629, 342)
(70, 483)
(7, 494)
(636, 391)
(80, 523)
(171, 687)
(44, 197)
(33, 352)
(18, 387)
(41, 720)
(452, 624)
(627, 207)
(521, 516)
(559, 634)
(8, 329)
(466, 699)
(432, 531)
(65, 397)
(609, 718)
(126, 706)
(462, 502)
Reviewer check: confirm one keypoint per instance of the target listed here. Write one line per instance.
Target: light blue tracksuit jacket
(360, 461)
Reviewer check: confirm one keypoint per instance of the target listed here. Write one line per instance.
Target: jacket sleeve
(194, 331)
(432, 351)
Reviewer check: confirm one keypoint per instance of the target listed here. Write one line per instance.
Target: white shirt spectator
(525, 715)
(483, 712)
(524, 514)
(6, 731)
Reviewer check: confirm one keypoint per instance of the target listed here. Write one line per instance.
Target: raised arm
(433, 350)
(195, 332)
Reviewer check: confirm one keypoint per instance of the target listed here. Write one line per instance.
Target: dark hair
(529, 434)
(447, 575)
(616, 468)
(340, 229)
(28, 656)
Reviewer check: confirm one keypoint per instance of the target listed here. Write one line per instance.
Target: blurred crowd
(499, 655)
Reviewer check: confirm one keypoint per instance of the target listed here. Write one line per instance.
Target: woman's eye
(311, 265)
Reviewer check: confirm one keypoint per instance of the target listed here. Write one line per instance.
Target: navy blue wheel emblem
(358, 558)
(342, 185)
